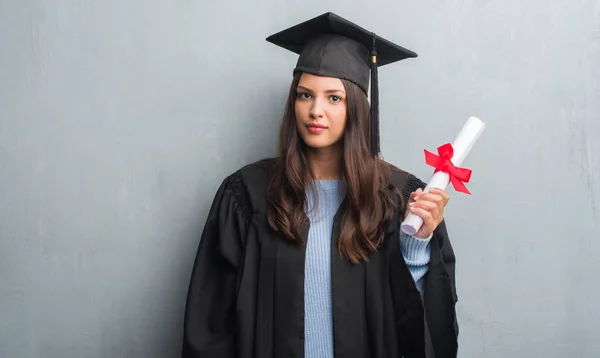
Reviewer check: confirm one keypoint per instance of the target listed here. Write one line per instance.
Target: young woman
(302, 255)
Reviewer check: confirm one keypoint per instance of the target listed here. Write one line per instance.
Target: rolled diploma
(462, 145)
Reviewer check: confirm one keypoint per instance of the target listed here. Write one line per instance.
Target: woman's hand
(430, 207)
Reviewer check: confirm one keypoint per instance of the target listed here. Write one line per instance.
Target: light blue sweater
(317, 283)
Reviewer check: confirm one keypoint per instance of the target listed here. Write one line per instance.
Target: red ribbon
(443, 163)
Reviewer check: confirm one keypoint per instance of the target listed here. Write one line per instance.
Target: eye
(335, 98)
(303, 95)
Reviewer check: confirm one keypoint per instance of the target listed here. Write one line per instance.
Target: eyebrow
(328, 91)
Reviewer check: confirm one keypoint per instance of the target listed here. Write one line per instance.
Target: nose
(316, 110)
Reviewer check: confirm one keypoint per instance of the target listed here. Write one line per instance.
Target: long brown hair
(369, 207)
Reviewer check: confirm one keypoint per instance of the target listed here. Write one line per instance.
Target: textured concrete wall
(119, 119)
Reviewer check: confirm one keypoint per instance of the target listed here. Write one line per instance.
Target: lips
(316, 125)
(315, 128)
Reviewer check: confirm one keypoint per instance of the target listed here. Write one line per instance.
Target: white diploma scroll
(462, 145)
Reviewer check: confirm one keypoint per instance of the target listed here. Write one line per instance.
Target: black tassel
(375, 147)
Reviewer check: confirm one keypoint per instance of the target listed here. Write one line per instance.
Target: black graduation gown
(246, 294)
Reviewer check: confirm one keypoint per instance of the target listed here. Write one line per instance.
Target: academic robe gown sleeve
(209, 321)
(440, 295)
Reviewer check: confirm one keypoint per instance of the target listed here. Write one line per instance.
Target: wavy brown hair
(369, 207)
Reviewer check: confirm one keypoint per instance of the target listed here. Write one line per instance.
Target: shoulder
(252, 177)
(404, 181)
(258, 171)
(248, 185)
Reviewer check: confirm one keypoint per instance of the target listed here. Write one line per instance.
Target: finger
(424, 214)
(428, 221)
(411, 199)
(424, 204)
(436, 210)
(431, 197)
(414, 195)
(441, 192)
(418, 193)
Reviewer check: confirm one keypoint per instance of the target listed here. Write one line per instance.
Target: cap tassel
(375, 146)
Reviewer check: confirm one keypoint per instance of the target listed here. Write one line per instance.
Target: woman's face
(320, 110)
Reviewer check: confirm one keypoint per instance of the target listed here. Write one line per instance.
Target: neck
(325, 163)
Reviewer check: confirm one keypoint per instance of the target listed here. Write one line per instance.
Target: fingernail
(416, 198)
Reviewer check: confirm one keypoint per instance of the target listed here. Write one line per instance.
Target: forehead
(315, 82)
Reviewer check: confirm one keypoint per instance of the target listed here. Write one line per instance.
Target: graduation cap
(332, 46)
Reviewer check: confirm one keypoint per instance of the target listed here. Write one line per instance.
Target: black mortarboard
(332, 46)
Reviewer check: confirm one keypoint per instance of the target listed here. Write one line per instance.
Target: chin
(318, 143)
(317, 146)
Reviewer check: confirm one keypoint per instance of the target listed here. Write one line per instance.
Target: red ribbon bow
(443, 163)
